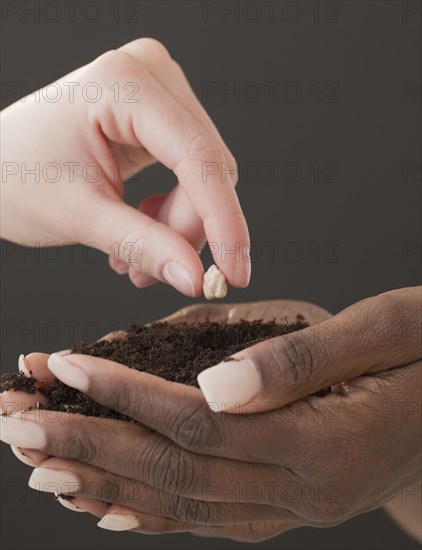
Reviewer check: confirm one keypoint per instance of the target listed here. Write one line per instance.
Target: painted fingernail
(54, 481)
(21, 433)
(230, 384)
(118, 522)
(68, 372)
(178, 276)
(24, 456)
(22, 366)
(68, 502)
(141, 280)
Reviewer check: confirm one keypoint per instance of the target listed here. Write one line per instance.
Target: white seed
(214, 284)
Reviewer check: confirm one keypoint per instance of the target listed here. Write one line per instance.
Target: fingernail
(68, 502)
(248, 270)
(118, 522)
(24, 457)
(230, 384)
(141, 280)
(68, 372)
(22, 433)
(22, 366)
(54, 481)
(178, 276)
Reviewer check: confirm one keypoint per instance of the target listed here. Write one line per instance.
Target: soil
(176, 352)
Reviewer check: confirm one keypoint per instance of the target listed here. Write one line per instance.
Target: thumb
(374, 335)
(146, 245)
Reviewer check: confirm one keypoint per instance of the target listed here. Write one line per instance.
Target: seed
(214, 284)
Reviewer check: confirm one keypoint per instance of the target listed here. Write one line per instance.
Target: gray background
(368, 49)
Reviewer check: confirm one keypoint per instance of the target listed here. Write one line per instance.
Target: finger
(35, 365)
(153, 402)
(154, 56)
(114, 335)
(198, 313)
(249, 532)
(116, 517)
(122, 518)
(79, 479)
(149, 247)
(366, 337)
(177, 210)
(14, 401)
(151, 458)
(150, 206)
(266, 310)
(30, 457)
(186, 150)
(122, 268)
(78, 504)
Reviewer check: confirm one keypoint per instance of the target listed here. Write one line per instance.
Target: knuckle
(297, 358)
(137, 249)
(118, 489)
(153, 50)
(203, 148)
(173, 471)
(191, 511)
(78, 447)
(110, 490)
(127, 492)
(197, 430)
(391, 313)
(114, 62)
(125, 397)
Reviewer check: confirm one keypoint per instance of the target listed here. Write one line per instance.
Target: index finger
(175, 138)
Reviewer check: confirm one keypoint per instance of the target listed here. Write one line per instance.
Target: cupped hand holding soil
(179, 457)
(169, 348)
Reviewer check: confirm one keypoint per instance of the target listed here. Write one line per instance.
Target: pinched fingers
(187, 148)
